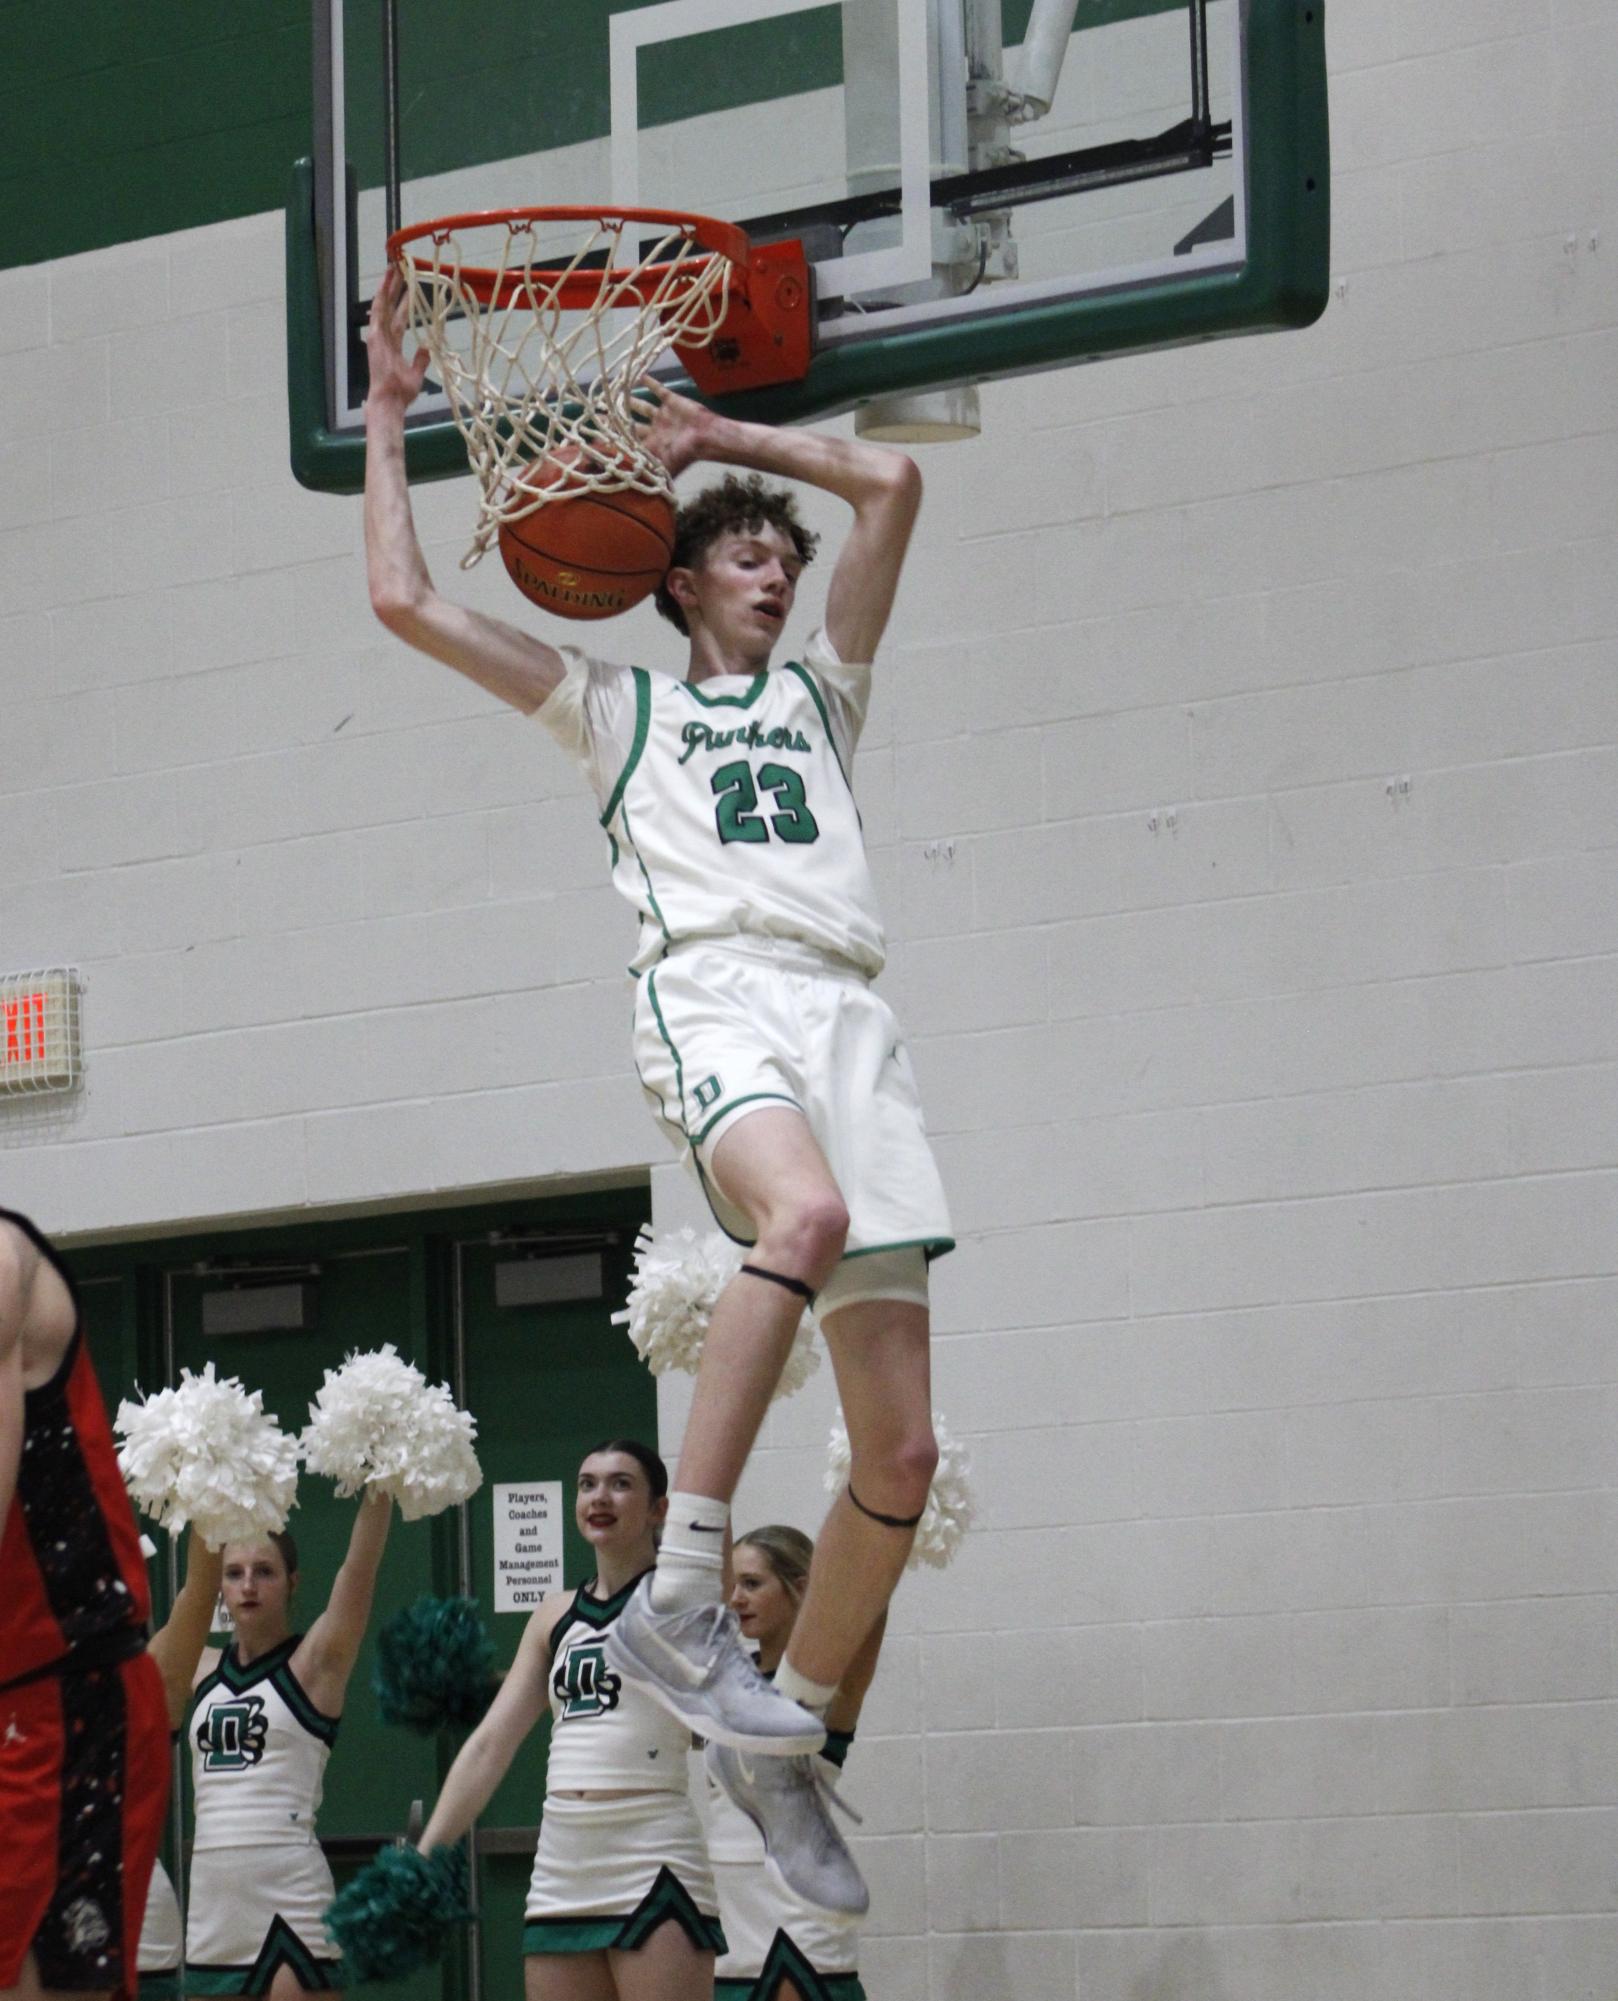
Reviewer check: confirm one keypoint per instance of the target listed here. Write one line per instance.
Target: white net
(540, 347)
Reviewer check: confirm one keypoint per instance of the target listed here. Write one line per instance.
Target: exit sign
(39, 1031)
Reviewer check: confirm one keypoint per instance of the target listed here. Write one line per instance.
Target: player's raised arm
(881, 485)
(510, 663)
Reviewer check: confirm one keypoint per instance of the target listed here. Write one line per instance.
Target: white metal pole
(1044, 48)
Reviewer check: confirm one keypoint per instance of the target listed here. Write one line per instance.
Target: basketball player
(84, 1770)
(621, 1903)
(778, 1948)
(266, 1717)
(772, 1065)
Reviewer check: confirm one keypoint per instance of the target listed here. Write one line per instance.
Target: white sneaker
(786, 1799)
(693, 1662)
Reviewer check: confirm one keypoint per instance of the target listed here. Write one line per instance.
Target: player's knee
(810, 1237)
(916, 1463)
(899, 1469)
(827, 1224)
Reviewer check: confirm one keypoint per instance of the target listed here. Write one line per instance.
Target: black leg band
(795, 1285)
(887, 1521)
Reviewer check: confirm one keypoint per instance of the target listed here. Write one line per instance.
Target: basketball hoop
(546, 341)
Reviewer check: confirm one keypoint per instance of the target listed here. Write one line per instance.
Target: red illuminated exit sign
(40, 1046)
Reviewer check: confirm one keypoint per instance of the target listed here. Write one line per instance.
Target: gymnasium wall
(1241, 787)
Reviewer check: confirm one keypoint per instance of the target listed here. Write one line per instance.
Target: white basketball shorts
(726, 1028)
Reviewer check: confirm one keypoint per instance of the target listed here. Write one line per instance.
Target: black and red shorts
(84, 1780)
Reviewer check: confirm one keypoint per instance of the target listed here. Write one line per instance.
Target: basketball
(586, 555)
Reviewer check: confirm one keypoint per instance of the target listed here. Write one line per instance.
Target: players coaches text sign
(527, 1544)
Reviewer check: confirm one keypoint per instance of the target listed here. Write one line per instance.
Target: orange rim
(578, 290)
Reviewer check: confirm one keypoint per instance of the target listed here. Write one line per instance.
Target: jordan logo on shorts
(584, 1684)
(231, 1736)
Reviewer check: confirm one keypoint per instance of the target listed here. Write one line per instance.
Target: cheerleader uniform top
(606, 1734)
(259, 1749)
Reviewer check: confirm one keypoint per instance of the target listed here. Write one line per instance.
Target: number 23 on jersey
(737, 791)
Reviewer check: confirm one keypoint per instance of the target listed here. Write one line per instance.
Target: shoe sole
(698, 1721)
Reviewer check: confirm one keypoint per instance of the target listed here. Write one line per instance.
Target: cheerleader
(778, 1947)
(621, 1903)
(266, 1716)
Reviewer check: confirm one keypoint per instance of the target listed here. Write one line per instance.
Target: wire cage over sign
(41, 1049)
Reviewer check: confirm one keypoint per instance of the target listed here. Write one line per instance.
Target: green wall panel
(119, 122)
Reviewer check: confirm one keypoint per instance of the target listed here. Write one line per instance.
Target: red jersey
(71, 1570)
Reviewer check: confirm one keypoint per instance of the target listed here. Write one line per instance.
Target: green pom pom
(434, 1666)
(395, 1915)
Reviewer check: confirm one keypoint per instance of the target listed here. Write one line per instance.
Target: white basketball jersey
(728, 804)
(258, 1754)
(606, 1735)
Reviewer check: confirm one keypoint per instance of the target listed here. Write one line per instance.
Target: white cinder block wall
(1242, 783)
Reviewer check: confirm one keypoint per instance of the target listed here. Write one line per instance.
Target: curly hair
(740, 504)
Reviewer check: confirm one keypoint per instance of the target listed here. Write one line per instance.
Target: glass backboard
(982, 187)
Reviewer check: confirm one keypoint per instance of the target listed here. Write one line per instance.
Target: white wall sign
(527, 1543)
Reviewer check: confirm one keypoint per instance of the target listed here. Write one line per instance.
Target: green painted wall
(120, 120)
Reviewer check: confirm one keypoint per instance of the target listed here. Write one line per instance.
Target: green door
(542, 1370)
(352, 1300)
(546, 1381)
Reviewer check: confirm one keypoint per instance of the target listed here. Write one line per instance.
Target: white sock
(811, 1695)
(691, 1557)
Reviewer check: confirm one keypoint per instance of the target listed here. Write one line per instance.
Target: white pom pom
(950, 1500)
(205, 1454)
(951, 1504)
(438, 1463)
(378, 1423)
(678, 1277)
